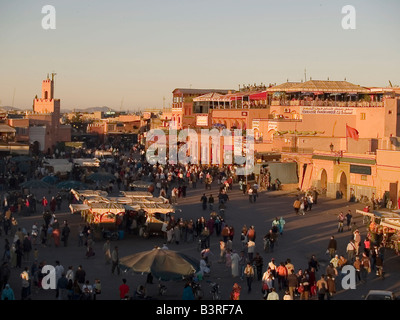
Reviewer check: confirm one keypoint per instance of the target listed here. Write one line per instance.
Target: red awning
(259, 96)
(237, 97)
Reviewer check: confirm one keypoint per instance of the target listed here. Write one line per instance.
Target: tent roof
(320, 86)
(282, 87)
(4, 128)
(137, 194)
(110, 205)
(78, 207)
(212, 96)
(200, 91)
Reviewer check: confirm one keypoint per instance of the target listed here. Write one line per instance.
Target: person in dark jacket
(332, 246)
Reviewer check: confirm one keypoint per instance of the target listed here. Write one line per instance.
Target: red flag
(351, 133)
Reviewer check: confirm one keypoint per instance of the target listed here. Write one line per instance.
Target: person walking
(273, 295)
(293, 283)
(332, 247)
(258, 262)
(357, 266)
(204, 200)
(27, 248)
(26, 284)
(107, 251)
(331, 287)
(80, 276)
(123, 290)
(211, 202)
(235, 264)
(351, 250)
(7, 293)
(62, 284)
(357, 241)
(340, 222)
(349, 216)
(249, 273)
(365, 267)
(115, 261)
(235, 293)
(282, 274)
(322, 287)
(65, 233)
(296, 206)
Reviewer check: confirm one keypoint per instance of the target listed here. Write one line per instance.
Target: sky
(130, 55)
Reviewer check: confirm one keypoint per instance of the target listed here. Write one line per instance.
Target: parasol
(162, 264)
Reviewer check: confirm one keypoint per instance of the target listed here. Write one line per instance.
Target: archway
(343, 185)
(324, 181)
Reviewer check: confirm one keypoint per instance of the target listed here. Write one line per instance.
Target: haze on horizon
(129, 55)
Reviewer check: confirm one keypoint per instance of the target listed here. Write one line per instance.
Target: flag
(351, 133)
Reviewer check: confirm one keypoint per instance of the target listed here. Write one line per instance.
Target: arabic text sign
(328, 110)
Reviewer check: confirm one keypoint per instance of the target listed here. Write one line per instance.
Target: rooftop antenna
(305, 74)
(52, 80)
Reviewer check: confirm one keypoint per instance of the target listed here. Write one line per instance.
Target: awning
(370, 214)
(259, 96)
(107, 208)
(137, 194)
(78, 207)
(390, 225)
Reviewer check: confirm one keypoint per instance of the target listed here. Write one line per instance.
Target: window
(363, 116)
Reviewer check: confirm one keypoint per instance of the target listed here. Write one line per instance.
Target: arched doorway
(324, 181)
(343, 185)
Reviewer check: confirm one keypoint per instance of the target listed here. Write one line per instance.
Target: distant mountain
(8, 108)
(88, 110)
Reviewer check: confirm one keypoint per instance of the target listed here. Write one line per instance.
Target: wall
(388, 169)
(38, 133)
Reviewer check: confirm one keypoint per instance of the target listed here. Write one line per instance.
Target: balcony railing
(327, 103)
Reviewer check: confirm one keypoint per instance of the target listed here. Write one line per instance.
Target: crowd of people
(275, 280)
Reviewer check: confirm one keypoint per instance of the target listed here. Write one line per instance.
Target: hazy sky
(134, 53)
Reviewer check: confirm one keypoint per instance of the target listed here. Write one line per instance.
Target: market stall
(81, 195)
(142, 185)
(137, 194)
(105, 213)
(78, 207)
(383, 227)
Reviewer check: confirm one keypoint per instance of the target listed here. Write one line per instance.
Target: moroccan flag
(351, 133)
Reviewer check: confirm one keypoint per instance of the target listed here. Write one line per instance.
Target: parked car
(380, 295)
